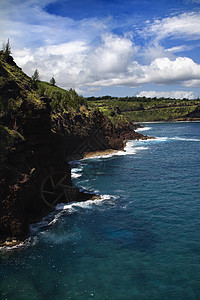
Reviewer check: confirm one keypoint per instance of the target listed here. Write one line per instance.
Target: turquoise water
(140, 241)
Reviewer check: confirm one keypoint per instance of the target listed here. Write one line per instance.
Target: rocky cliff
(37, 142)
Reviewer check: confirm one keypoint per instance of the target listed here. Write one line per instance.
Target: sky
(108, 47)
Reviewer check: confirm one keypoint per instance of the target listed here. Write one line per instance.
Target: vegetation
(60, 99)
(142, 109)
(6, 50)
(53, 81)
(36, 76)
(21, 97)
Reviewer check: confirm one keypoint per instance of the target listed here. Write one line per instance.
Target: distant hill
(142, 109)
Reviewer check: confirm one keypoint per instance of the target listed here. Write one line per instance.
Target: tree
(52, 81)
(34, 79)
(7, 49)
(35, 76)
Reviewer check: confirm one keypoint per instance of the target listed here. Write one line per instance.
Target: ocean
(140, 240)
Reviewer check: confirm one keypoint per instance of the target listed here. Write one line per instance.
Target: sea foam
(184, 139)
(143, 128)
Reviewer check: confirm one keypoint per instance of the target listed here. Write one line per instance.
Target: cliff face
(36, 144)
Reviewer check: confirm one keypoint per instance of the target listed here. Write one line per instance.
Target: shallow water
(140, 241)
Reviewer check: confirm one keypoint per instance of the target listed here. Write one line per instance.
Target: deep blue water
(141, 242)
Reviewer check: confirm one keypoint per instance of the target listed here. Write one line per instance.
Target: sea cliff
(39, 136)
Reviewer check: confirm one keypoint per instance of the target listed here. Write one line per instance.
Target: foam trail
(76, 172)
(84, 204)
(143, 129)
(75, 175)
(184, 139)
(157, 139)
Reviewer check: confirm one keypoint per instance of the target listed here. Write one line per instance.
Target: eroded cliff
(38, 139)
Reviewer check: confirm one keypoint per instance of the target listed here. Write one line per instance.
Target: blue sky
(108, 47)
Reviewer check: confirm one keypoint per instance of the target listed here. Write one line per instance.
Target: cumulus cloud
(113, 55)
(85, 53)
(110, 64)
(64, 61)
(160, 71)
(154, 51)
(76, 63)
(169, 94)
(166, 71)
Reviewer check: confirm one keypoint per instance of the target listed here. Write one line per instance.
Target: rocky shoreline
(39, 160)
(39, 136)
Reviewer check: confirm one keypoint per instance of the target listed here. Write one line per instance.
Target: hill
(141, 109)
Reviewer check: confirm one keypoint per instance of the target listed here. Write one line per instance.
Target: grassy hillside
(148, 109)
(24, 100)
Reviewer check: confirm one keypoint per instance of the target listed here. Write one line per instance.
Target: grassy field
(146, 109)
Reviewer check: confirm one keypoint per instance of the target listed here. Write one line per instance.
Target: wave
(85, 204)
(160, 139)
(76, 206)
(130, 149)
(22, 245)
(76, 172)
(75, 175)
(143, 129)
(52, 218)
(164, 139)
(156, 139)
(184, 139)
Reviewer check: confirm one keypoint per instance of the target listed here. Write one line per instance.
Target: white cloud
(23, 56)
(170, 94)
(192, 83)
(180, 48)
(113, 56)
(154, 51)
(111, 64)
(86, 54)
(76, 63)
(166, 71)
(27, 24)
(64, 61)
(93, 90)
(160, 71)
(186, 26)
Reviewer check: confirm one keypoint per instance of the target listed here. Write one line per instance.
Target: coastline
(100, 153)
(171, 121)
(107, 152)
(20, 235)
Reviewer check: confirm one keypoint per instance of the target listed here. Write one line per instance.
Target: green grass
(146, 109)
